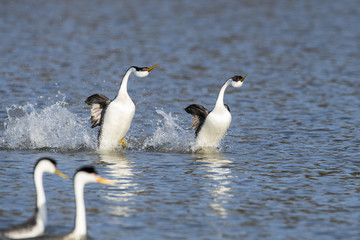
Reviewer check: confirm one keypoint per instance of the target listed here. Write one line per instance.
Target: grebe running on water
(114, 117)
(211, 126)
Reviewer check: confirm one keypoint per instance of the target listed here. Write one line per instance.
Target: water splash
(169, 136)
(53, 127)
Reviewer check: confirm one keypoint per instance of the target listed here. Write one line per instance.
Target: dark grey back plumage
(227, 107)
(24, 226)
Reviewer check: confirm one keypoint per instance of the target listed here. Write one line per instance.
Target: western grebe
(83, 175)
(35, 226)
(211, 126)
(114, 117)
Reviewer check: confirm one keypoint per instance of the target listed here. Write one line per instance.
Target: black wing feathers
(199, 114)
(98, 103)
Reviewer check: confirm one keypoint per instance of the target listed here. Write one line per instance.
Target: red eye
(144, 69)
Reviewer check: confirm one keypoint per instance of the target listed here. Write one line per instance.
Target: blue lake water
(288, 167)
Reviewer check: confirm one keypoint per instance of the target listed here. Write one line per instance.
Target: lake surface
(288, 167)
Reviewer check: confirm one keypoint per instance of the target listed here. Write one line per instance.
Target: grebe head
(237, 81)
(143, 71)
(48, 165)
(88, 174)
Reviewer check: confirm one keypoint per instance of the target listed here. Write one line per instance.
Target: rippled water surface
(288, 167)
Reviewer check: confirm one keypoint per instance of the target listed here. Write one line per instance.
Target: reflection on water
(121, 171)
(216, 167)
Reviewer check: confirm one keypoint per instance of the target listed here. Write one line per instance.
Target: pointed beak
(152, 67)
(243, 78)
(104, 181)
(61, 174)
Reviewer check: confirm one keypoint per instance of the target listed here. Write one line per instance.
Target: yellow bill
(105, 181)
(243, 78)
(152, 67)
(61, 174)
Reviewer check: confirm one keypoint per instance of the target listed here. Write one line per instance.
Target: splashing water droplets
(55, 127)
(52, 127)
(169, 135)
